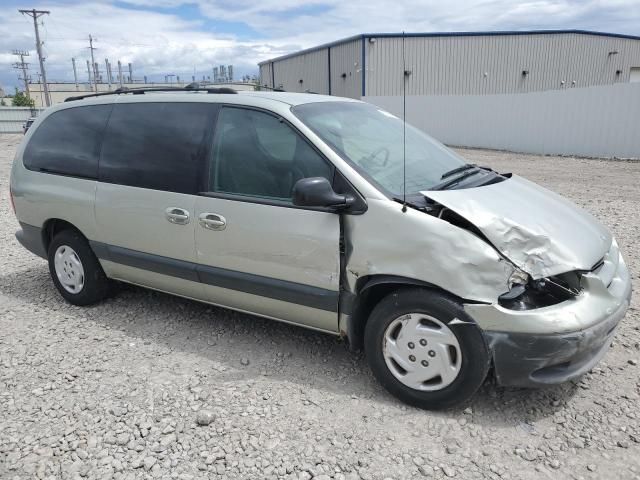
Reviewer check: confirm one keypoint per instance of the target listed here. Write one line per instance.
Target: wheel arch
(370, 290)
(52, 227)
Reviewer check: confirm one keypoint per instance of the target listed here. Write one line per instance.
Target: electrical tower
(24, 67)
(35, 14)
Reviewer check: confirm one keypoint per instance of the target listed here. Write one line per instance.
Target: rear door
(256, 251)
(151, 168)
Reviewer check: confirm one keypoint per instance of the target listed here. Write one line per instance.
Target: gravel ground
(148, 385)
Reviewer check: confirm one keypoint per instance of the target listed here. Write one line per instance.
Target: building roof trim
(447, 34)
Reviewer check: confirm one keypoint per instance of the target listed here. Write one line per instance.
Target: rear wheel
(75, 270)
(425, 350)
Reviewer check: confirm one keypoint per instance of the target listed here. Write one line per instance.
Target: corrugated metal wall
(12, 118)
(458, 64)
(306, 72)
(265, 75)
(597, 121)
(346, 69)
(335, 70)
(490, 64)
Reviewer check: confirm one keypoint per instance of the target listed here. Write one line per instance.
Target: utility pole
(35, 14)
(130, 73)
(89, 73)
(40, 91)
(24, 67)
(120, 73)
(75, 72)
(108, 67)
(93, 62)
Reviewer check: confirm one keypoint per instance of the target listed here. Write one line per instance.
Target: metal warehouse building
(469, 63)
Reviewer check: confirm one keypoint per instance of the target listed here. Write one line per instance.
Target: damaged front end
(568, 292)
(540, 339)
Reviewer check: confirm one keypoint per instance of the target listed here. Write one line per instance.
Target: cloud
(155, 43)
(175, 36)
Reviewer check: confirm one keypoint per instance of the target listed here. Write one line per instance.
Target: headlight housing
(527, 294)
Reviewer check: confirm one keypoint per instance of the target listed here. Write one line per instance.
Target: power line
(24, 67)
(35, 14)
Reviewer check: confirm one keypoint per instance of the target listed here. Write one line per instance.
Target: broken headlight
(527, 294)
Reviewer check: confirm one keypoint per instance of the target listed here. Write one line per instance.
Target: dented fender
(412, 244)
(541, 232)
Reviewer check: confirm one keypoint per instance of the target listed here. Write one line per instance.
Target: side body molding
(292, 292)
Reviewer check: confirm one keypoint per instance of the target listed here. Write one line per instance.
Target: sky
(161, 37)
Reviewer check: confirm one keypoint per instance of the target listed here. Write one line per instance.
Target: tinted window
(162, 146)
(258, 154)
(68, 142)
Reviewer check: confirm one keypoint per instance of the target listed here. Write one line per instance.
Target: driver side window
(257, 154)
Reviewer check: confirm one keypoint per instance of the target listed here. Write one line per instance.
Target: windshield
(372, 141)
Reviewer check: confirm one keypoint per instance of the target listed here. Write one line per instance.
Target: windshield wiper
(464, 167)
(447, 183)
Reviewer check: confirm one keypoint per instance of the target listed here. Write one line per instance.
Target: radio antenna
(404, 129)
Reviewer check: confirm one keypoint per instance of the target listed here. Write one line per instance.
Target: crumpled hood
(539, 231)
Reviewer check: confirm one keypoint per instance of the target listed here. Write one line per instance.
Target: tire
(76, 261)
(421, 320)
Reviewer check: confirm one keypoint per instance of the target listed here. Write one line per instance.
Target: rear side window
(161, 146)
(68, 142)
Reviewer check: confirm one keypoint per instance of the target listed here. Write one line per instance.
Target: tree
(21, 100)
(3, 103)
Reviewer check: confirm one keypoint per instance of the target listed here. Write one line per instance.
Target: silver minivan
(295, 207)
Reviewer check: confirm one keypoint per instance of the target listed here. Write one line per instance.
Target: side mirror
(317, 192)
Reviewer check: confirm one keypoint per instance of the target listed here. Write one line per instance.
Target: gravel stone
(205, 417)
(148, 463)
(448, 471)
(121, 390)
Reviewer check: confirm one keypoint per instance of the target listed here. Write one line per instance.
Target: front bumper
(561, 342)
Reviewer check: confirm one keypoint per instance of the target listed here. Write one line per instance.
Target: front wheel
(424, 349)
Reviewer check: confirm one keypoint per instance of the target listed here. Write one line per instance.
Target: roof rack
(257, 86)
(192, 87)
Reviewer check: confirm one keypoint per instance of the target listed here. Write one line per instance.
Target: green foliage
(21, 100)
(2, 102)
